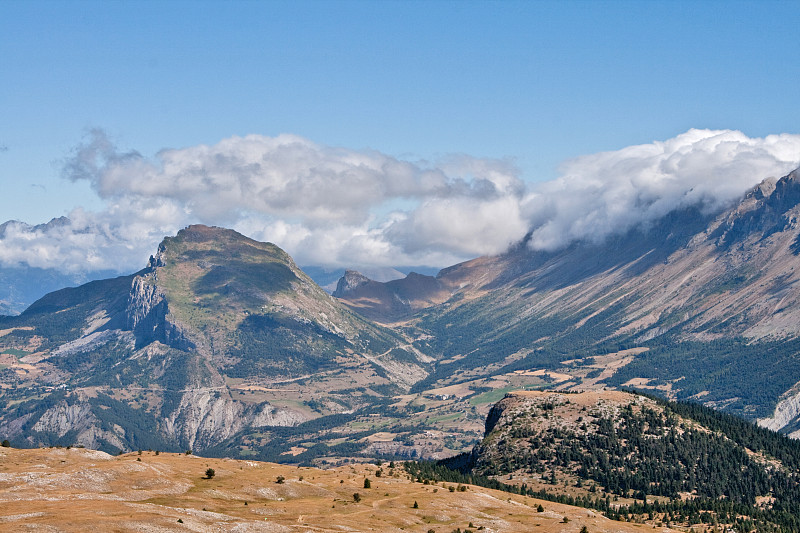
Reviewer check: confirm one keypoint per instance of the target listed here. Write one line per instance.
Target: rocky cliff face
(79, 420)
(147, 313)
(785, 416)
(206, 417)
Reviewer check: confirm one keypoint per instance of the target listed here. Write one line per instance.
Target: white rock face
(274, 416)
(63, 418)
(208, 416)
(203, 418)
(143, 298)
(92, 341)
(786, 411)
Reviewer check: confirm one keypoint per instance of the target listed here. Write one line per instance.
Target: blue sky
(531, 83)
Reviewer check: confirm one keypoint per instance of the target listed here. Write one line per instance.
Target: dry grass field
(77, 490)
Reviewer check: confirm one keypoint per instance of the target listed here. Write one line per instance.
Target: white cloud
(340, 207)
(284, 176)
(611, 192)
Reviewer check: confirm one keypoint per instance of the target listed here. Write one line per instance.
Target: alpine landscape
(440, 267)
(223, 346)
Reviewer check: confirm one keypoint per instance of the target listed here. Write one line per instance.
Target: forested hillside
(641, 458)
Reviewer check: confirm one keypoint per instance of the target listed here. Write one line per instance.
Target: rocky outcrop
(91, 342)
(147, 313)
(79, 419)
(66, 417)
(350, 282)
(208, 416)
(269, 415)
(144, 299)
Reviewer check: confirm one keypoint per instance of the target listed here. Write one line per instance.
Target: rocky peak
(350, 282)
(764, 189)
(765, 209)
(201, 233)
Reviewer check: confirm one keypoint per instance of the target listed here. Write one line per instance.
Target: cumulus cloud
(117, 239)
(601, 194)
(283, 176)
(325, 205)
(339, 207)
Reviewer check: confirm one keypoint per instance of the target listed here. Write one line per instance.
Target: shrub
(210, 473)
(280, 480)
(367, 483)
(6, 444)
(356, 497)
(416, 505)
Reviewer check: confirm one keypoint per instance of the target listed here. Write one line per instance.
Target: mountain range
(693, 304)
(223, 344)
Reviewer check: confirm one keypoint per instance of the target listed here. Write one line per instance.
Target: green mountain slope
(219, 337)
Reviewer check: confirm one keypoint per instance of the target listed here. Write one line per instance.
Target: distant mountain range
(223, 344)
(328, 278)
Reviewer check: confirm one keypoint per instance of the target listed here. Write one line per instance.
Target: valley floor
(76, 490)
